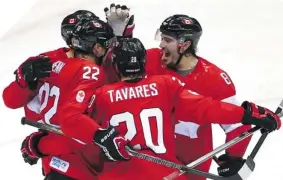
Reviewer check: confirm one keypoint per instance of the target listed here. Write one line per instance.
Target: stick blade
(246, 170)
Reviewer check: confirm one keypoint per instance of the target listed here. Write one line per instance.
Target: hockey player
(27, 90)
(24, 91)
(179, 38)
(177, 56)
(30, 72)
(65, 96)
(141, 109)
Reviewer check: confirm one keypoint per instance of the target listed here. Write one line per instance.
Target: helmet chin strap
(179, 59)
(180, 56)
(180, 45)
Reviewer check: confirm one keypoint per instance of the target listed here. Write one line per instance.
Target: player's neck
(187, 63)
(70, 53)
(130, 78)
(86, 57)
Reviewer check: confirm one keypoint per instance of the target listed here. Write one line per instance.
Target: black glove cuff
(35, 142)
(267, 122)
(246, 105)
(248, 119)
(103, 135)
(32, 85)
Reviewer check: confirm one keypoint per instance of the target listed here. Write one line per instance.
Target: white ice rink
(244, 37)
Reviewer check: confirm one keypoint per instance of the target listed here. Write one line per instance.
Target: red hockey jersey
(14, 96)
(43, 104)
(142, 113)
(208, 80)
(65, 95)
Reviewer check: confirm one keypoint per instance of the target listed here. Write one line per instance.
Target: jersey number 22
(49, 93)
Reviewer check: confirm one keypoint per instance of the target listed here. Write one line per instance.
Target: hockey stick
(247, 168)
(25, 121)
(39, 125)
(159, 160)
(213, 153)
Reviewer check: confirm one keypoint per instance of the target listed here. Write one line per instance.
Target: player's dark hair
(183, 28)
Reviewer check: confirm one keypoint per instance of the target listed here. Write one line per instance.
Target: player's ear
(185, 46)
(98, 49)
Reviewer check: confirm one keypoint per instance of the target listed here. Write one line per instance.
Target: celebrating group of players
(106, 91)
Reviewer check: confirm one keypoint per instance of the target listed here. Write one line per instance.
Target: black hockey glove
(229, 165)
(33, 69)
(29, 148)
(260, 116)
(112, 145)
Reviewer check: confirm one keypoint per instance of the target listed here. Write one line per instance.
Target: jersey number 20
(145, 114)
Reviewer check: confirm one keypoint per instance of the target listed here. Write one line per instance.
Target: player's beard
(169, 59)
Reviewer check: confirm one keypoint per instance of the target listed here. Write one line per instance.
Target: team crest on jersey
(57, 66)
(80, 96)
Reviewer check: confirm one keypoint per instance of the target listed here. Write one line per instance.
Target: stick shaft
(132, 152)
(176, 174)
